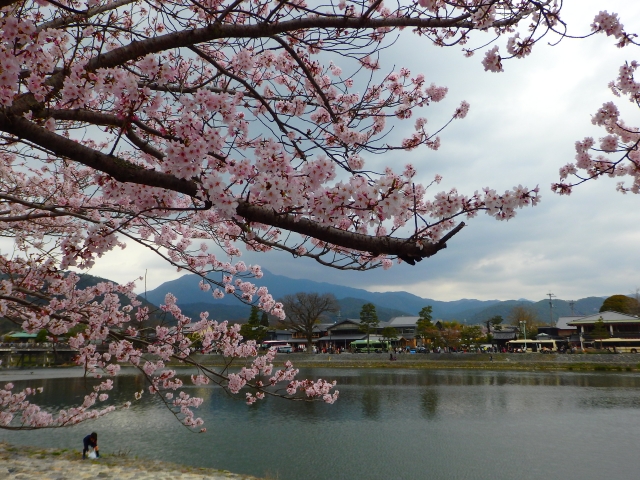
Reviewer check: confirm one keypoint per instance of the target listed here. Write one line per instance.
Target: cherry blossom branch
(620, 137)
(183, 126)
(124, 171)
(217, 31)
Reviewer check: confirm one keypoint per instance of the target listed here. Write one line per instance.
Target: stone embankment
(496, 361)
(30, 463)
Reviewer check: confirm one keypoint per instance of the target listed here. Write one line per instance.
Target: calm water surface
(400, 424)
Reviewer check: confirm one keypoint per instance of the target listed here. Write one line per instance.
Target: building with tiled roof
(620, 325)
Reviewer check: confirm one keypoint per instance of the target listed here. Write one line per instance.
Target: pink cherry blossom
(619, 145)
(199, 130)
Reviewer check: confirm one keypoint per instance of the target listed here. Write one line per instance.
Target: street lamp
(523, 326)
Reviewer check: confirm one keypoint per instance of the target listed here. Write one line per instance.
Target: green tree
(264, 320)
(450, 333)
(425, 327)
(471, 335)
(426, 313)
(621, 304)
(305, 310)
(254, 316)
(424, 322)
(599, 331)
(196, 339)
(368, 320)
(389, 334)
(253, 329)
(73, 331)
(42, 336)
(495, 322)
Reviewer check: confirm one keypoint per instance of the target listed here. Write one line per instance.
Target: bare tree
(527, 317)
(304, 311)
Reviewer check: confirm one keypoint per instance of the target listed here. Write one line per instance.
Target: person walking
(90, 442)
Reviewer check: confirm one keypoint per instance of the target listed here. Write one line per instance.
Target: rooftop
(607, 317)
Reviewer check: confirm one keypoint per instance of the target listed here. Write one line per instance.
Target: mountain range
(192, 300)
(85, 281)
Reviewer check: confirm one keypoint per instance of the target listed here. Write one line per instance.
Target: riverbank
(497, 361)
(464, 361)
(32, 463)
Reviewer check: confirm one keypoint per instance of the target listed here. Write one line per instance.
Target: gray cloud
(520, 130)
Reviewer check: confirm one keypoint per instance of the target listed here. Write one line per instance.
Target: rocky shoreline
(32, 463)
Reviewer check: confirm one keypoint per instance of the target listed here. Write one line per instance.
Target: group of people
(331, 350)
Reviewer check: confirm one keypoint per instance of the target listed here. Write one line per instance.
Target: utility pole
(551, 322)
(339, 315)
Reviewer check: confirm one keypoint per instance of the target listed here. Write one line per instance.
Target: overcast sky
(521, 129)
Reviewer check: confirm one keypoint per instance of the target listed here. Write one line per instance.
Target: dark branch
(123, 171)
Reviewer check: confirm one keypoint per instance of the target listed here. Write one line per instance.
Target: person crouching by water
(90, 441)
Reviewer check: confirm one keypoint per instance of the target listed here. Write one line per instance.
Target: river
(400, 424)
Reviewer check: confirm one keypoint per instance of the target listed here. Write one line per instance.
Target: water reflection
(421, 424)
(429, 403)
(371, 403)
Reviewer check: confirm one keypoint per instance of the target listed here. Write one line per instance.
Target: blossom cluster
(593, 159)
(17, 412)
(106, 321)
(609, 23)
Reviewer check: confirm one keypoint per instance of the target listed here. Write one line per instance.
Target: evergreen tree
(254, 329)
(496, 322)
(253, 316)
(368, 320)
(600, 331)
(425, 327)
(389, 334)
